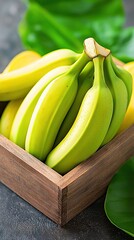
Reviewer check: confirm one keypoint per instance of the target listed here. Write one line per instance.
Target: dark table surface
(18, 219)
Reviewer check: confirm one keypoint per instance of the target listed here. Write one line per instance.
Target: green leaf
(49, 25)
(119, 202)
(124, 48)
(41, 32)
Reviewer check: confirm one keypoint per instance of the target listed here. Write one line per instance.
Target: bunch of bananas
(64, 106)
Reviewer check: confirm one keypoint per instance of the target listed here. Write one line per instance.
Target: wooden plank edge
(29, 184)
(17, 167)
(62, 205)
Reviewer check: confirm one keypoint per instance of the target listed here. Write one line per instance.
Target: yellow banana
(22, 59)
(8, 116)
(51, 109)
(129, 116)
(89, 127)
(23, 79)
(24, 114)
(129, 67)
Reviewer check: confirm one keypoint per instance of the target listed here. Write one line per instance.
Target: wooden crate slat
(29, 178)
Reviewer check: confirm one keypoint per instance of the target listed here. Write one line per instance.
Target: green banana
(51, 109)
(120, 99)
(85, 81)
(89, 127)
(23, 79)
(24, 114)
(8, 116)
(125, 76)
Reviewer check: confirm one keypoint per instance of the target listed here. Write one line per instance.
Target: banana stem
(99, 78)
(79, 64)
(93, 49)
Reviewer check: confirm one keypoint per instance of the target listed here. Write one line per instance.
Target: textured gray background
(19, 220)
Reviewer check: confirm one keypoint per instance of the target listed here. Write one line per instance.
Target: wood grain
(29, 178)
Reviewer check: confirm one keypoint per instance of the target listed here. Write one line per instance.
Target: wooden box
(62, 197)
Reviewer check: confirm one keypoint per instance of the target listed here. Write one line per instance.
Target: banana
(24, 114)
(129, 67)
(22, 59)
(51, 109)
(13, 95)
(85, 81)
(89, 127)
(8, 116)
(23, 79)
(129, 116)
(125, 76)
(120, 99)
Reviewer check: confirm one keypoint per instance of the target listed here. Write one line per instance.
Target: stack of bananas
(63, 106)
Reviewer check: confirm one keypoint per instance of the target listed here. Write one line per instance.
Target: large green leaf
(119, 202)
(49, 25)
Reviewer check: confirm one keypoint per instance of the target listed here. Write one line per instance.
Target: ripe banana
(8, 116)
(51, 109)
(85, 81)
(89, 127)
(23, 79)
(120, 99)
(24, 114)
(22, 59)
(129, 116)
